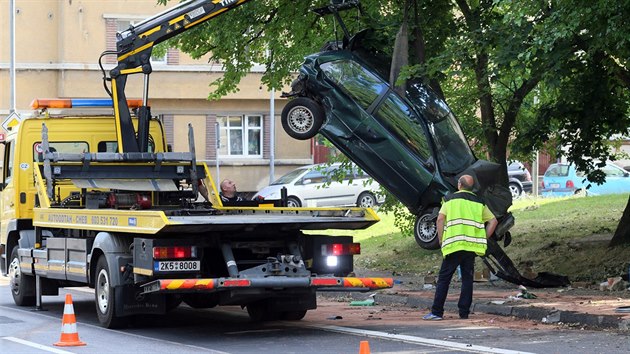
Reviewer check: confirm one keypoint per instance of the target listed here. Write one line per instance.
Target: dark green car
(412, 145)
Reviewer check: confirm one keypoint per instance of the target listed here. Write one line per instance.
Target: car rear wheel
(366, 200)
(293, 202)
(302, 117)
(425, 231)
(515, 190)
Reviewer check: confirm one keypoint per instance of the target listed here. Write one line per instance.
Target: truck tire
(302, 117)
(293, 315)
(259, 311)
(425, 231)
(22, 285)
(201, 301)
(105, 298)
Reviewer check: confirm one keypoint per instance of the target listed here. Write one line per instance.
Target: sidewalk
(584, 308)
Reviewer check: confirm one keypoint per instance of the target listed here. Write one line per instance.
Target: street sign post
(12, 120)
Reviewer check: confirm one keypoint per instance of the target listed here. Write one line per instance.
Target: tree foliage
(528, 75)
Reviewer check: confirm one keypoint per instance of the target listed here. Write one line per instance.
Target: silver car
(315, 186)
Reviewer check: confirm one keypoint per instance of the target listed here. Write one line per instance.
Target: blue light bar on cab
(39, 103)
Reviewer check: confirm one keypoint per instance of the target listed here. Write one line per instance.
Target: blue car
(563, 179)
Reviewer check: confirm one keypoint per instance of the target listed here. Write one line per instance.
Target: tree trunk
(622, 235)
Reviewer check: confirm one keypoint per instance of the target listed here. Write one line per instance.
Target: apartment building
(58, 44)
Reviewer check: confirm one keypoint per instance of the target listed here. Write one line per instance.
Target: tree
(534, 74)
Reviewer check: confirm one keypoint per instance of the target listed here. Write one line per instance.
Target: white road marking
(416, 340)
(256, 331)
(471, 328)
(153, 339)
(35, 345)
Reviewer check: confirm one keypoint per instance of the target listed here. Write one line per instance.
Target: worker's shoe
(431, 317)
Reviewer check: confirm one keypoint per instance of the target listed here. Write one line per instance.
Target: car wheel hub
(426, 228)
(300, 119)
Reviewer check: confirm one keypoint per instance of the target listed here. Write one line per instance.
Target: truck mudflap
(221, 284)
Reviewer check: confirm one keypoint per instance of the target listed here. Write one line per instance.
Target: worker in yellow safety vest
(464, 224)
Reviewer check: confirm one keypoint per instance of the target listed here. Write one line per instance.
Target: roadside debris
(368, 302)
(623, 309)
(524, 294)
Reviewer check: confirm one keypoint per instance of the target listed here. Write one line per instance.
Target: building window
(240, 136)
(123, 25)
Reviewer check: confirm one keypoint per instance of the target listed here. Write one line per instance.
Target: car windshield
(453, 153)
(289, 177)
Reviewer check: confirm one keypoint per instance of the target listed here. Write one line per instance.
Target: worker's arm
(440, 226)
(490, 226)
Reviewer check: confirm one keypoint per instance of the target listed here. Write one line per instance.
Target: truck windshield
(453, 153)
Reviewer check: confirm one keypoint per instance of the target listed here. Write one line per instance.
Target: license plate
(555, 185)
(177, 266)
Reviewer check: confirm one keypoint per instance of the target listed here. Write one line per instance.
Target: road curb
(541, 314)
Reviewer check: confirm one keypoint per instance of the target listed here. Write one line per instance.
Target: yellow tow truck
(100, 201)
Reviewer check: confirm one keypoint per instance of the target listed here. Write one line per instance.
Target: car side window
(314, 177)
(399, 119)
(611, 171)
(363, 86)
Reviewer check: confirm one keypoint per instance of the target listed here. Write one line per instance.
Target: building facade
(58, 44)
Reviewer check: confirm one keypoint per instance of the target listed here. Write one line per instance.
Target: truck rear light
(341, 249)
(177, 252)
(238, 282)
(570, 184)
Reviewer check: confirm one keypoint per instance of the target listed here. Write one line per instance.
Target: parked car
(520, 180)
(411, 144)
(563, 179)
(314, 186)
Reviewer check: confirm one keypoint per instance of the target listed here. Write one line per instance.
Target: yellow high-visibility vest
(464, 227)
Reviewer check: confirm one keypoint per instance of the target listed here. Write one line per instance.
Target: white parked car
(313, 186)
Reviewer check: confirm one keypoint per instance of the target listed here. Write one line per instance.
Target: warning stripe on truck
(217, 284)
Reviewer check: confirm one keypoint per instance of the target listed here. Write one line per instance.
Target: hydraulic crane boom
(133, 50)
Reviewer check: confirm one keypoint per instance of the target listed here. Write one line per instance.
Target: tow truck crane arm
(133, 51)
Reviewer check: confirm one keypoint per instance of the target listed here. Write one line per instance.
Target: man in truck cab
(228, 192)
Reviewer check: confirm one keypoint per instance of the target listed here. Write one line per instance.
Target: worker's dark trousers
(466, 261)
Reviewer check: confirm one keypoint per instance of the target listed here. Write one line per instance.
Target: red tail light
(570, 184)
(341, 249)
(542, 184)
(177, 252)
(528, 176)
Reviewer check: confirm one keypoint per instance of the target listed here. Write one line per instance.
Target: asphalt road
(335, 327)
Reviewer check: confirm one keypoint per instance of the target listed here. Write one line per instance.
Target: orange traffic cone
(364, 347)
(69, 334)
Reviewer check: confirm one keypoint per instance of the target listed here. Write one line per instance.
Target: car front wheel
(302, 117)
(425, 231)
(293, 202)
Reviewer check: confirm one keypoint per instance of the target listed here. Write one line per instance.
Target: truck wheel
(201, 301)
(293, 315)
(22, 285)
(302, 117)
(105, 298)
(259, 312)
(425, 231)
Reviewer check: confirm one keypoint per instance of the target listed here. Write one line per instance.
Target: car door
(310, 188)
(617, 181)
